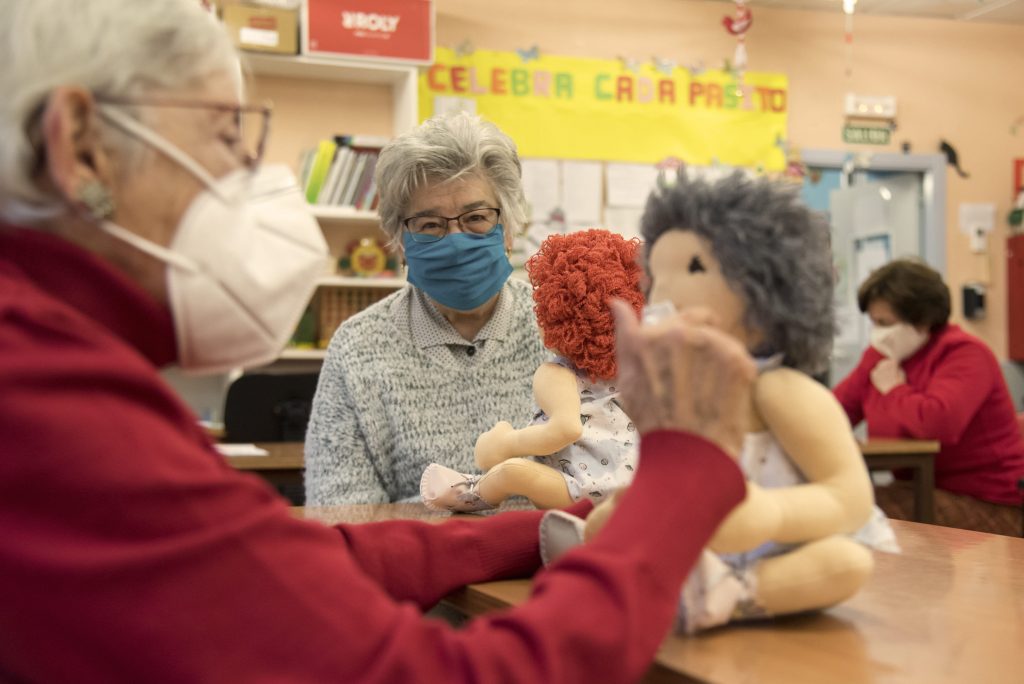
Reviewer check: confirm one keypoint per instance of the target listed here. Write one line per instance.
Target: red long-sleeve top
(131, 551)
(955, 393)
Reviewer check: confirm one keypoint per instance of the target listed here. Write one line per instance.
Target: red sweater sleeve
(961, 381)
(853, 390)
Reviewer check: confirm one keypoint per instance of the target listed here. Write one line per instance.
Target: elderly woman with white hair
(138, 230)
(417, 377)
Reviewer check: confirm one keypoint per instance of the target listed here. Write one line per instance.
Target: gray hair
(109, 47)
(446, 149)
(773, 251)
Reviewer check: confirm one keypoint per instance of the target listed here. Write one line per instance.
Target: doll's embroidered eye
(696, 265)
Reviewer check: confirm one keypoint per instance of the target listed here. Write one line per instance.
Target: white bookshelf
(348, 281)
(303, 355)
(402, 78)
(342, 223)
(331, 215)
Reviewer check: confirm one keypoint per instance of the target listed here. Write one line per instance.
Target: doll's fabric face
(684, 271)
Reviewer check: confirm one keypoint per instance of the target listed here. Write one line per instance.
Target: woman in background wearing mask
(925, 378)
(140, 230)
(417, 377)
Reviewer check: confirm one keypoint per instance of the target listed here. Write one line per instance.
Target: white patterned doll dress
(604, 458)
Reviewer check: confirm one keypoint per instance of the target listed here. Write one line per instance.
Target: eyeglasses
(433, 228)
(252, 122)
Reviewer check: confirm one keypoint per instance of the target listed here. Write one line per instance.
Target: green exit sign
(866, 135)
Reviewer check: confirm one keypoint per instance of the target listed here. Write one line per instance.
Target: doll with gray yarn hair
(759, 260)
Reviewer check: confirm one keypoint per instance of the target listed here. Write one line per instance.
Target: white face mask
(242, 264)
(897, 342)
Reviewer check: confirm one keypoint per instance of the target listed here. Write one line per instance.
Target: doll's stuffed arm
(554, 388)
(811, 427)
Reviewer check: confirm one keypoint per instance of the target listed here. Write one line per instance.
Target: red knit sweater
(954, 393)
(130, 551)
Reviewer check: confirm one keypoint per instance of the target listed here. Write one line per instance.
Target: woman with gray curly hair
(140, 230)
(417, 377)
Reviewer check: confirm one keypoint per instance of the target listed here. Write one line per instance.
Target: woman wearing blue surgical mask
(417, 377)
(925, 378)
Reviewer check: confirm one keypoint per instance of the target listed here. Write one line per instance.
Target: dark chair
(270, 407)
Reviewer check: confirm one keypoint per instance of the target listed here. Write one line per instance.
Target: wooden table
(950, 608)
(283, 466)
(915, 454)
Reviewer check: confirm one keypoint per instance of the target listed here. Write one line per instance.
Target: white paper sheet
(241, 450)
(582, 192)
(872, 252)
(541, 185)
(623, 220)
(629, 184)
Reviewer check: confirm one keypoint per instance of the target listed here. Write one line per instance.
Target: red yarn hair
(573, 278)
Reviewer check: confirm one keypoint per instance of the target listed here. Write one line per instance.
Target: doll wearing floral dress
(581, 443)
(604, 457)
(748, 257)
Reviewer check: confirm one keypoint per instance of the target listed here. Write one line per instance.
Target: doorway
(880, 207)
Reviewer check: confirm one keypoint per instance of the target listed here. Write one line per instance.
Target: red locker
(1015, 295)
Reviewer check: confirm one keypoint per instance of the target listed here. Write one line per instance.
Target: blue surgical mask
(460, 271)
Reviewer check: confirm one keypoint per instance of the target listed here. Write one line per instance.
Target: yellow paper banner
(578, 108)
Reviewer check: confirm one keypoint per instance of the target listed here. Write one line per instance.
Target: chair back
(269, 407)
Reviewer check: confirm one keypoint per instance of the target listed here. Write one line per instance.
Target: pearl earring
(97, 199)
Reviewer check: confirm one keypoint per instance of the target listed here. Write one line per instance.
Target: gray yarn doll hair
(773, 251)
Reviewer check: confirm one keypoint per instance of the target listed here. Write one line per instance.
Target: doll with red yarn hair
(580, 443)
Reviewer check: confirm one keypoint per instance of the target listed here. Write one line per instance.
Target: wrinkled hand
(683, 374)
(886, 375)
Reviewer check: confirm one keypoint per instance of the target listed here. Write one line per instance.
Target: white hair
(446, 149)
(111, 48)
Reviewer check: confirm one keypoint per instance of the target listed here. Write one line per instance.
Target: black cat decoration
(952, 158)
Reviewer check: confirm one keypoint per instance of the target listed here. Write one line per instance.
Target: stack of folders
(339, 172)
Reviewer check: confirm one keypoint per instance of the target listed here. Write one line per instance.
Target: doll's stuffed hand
(887, 375)
(683, 374)
(492, 447)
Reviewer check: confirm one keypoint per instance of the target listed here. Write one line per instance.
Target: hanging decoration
(1016, 216)
(696, 68)
(630, 64)
(664, 66)
(738, 25)
(530, 53)
(848, 8)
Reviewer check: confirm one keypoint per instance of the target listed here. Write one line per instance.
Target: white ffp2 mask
(242, 264)
(897, 342)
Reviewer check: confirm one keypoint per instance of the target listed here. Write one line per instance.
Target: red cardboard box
(393, 30)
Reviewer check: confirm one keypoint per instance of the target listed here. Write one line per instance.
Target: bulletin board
(599, 109)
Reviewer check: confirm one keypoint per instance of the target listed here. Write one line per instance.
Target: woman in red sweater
(129, 550)
(925, 378)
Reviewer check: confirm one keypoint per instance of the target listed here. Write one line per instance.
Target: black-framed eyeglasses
(433, 228)
(252, 121)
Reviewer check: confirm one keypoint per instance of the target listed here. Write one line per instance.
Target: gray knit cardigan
(384, 410)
